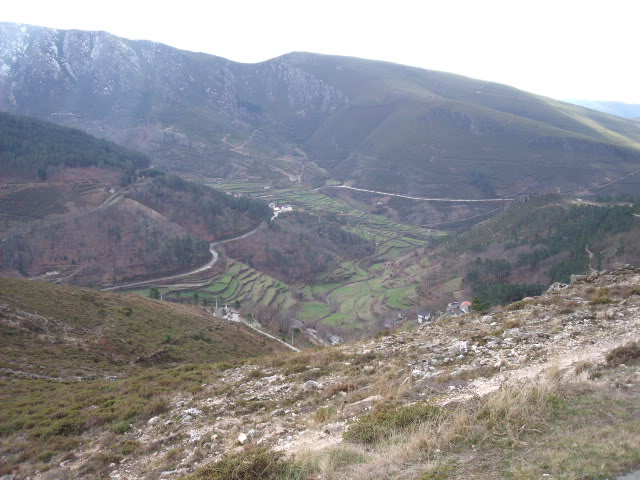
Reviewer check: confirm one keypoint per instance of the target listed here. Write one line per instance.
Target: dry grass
(623, 354)
(555, 424)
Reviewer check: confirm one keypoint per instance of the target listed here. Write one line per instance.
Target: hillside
(76, 209)
(66, 332)
(310, 118)
(544, 387)
(76, 360)
(37, 149)
(621, 109)
(299, 248)
(524, 249)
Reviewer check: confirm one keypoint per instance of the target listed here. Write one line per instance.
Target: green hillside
(61, 331)
(79, 362)
(32, 148)
(520, 252)
(415, 130)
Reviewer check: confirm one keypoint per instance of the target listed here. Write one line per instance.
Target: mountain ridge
(368, 122)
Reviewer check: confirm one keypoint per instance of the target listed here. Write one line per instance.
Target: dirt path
(590, 253)
(253, 327)
(563, 357)
(206, 266)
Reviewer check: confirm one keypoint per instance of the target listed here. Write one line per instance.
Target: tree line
(33, 148)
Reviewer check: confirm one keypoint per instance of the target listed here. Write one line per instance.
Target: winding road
(462, 200)
(458, 200)
(214, 259)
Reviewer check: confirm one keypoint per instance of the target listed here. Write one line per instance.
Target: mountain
(307, 118)
(517, 392)
(621, 109)
(77, 209)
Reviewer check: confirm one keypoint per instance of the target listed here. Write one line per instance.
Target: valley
(313, 267)
(352, 297)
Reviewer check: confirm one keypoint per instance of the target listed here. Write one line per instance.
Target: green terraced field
(352, 296)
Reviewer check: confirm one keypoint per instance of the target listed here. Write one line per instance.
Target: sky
(565, 49)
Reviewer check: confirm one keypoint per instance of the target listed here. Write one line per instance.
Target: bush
(386, 421)
(623, 354)
(120, 427)
(600, 301)
(252, 464)
(324, 414)
(65, 427)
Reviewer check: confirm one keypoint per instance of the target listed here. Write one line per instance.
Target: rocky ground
(301, 402)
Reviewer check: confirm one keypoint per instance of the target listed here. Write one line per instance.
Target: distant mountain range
(627, 110)
(310, 118)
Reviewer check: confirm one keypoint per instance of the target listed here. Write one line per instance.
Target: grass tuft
(387, 421)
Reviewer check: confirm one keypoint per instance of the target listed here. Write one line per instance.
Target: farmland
(354, 297)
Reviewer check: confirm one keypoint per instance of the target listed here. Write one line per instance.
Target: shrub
(623, 354)
(342, 457)
(582, 366)
(385, 421)
(383, 333)
(120, 427)
(64, 427)
(128, 447)
(252, 464)
(324, 414)
(600, 301)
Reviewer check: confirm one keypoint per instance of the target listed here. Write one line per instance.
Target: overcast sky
(582, 49)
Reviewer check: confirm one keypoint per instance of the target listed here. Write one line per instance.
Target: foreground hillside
(78, 362)
(308, 118)
(544, 387)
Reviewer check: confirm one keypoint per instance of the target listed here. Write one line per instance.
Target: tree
(42, 173)
(196, 298)
(478, 305)
(154, 293)
(236, 304)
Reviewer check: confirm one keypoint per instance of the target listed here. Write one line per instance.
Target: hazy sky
(562, 48)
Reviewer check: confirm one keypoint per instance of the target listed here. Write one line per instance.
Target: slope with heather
(517, 392)
(76, 360)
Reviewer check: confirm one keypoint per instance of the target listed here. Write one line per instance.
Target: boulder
(312, 385)
(361, 406)
(153, 420)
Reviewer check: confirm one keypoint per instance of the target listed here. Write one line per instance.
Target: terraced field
(355, 296)
(238, 283)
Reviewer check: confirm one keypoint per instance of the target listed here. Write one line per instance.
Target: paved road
(206, 266)
(457, 200)
(461, 200)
